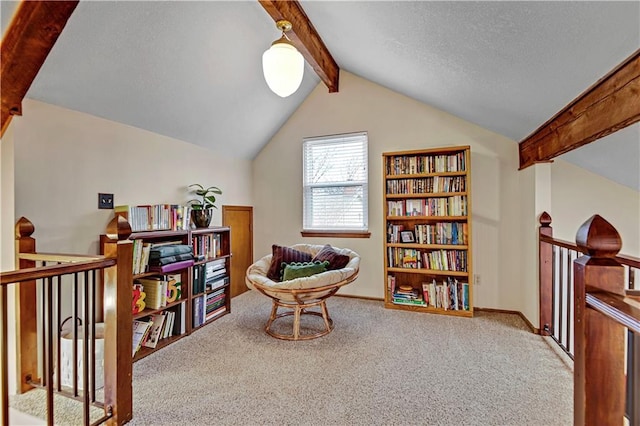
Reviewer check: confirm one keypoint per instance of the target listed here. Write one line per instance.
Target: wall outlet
(105, 201)
(476, 279)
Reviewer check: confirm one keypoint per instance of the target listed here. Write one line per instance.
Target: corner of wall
(7, 240)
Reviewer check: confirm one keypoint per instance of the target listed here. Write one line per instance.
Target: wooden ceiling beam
(611, 104)
(306, 38)
(28, 39)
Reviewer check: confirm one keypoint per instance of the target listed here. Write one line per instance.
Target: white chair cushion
(258, 271)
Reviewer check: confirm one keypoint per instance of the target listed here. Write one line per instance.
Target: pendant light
(282, 64)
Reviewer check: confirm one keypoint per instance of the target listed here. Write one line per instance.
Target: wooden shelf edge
(425, 195)
(211, 259)
(210, 230)
(423, 175)
(202, 293)
(430, 246)
(426, 309)
(430, 218)
(148, 311)
(210, 320)
(145, 351)
(157, 233)
(429, 272)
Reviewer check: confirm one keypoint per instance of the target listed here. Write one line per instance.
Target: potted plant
(202, 207)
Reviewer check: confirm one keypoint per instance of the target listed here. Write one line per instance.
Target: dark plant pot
(201, 218)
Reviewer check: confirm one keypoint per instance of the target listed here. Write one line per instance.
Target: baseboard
(501, 311)
(351, 296)
(506, 311)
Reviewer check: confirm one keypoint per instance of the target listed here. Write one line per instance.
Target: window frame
(344, 232)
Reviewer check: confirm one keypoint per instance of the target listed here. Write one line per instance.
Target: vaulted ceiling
(192, 70)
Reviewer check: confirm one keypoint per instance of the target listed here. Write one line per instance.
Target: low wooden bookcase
(198, 294)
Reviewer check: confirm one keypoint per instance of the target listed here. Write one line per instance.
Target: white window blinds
(335, 183)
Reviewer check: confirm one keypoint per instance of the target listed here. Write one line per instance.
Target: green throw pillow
(303, 269)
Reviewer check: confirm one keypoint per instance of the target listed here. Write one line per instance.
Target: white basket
(66, 356)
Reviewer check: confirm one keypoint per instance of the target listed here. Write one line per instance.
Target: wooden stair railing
(589, 305)
(36, 273)
(603, 316)
(549, 249)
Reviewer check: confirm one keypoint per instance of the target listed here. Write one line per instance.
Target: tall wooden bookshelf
(427, 248)
(191, 310)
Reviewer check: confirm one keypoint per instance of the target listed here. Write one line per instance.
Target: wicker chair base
(297, 310)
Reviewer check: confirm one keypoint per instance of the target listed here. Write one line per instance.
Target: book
(172, 266)
(141, 331)
(136, 251)
(216, 312)
(144, 263)
(155, 289)
(425, 293)
(165, 260)
(198, 311)
(180, 323)
(168, 324)
(198, 279)
(156, 330)
(217, 283)
(159, 251)
(399, 301)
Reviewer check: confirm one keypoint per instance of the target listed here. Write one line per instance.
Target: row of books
(155, 217)
(208, 306)
(442, 233)
(414, 164)
(159, 290)
(207, 246)
(214, 304)
(427, 185)
(439, 206)
(440, 260)
(209, 276)
(141, 252)
(449, 294)
(393, 233)
(453, 233)
(144, 260)
(149, 331)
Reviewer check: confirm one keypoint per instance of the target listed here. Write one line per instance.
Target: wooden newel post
(26, 315)
(599, 382)
(118, 322)
(545, 262)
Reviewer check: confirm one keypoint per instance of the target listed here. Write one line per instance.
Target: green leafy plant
(207, 196)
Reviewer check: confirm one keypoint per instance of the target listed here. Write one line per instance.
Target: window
(335, 184)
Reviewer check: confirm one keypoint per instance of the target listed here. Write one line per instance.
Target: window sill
(337, 234)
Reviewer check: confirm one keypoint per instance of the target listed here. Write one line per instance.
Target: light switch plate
(105, 201)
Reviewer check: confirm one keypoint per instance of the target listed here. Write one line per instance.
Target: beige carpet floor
(378, 367)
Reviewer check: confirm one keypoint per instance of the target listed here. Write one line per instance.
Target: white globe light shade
(283, 68)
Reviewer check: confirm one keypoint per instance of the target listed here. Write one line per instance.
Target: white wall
(535, 198)
(578, 194)
(394, 122)
(64, 158)
(7, 240)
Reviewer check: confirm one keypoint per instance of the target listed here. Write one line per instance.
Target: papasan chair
(298, 295)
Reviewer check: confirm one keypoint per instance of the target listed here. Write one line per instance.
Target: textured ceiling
(192, 70)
